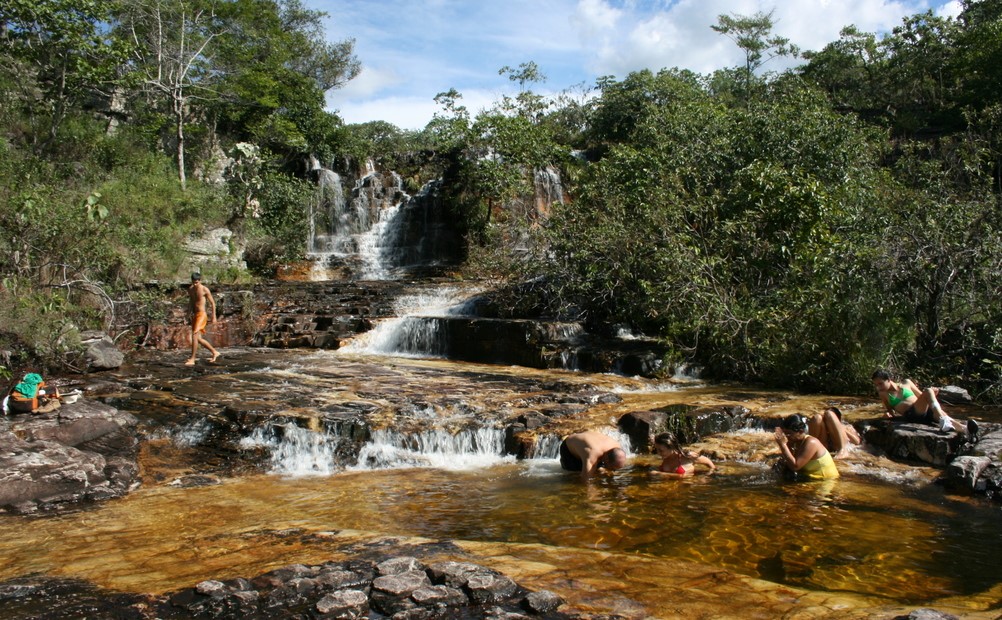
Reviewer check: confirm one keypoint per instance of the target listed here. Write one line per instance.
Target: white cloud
(407, 112)
(950, 9)
(369, 81)
(413, 49)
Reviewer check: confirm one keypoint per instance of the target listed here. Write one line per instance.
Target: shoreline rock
(81, 452)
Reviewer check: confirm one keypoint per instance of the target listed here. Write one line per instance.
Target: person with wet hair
(590, 451)
(675, 461)
(906, 401)
(801, 453)
(835, 434)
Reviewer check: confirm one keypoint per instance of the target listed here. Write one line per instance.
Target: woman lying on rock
(905, 400)
(31, 396)
(802, 454)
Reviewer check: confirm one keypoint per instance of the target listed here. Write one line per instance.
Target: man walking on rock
(198, 294)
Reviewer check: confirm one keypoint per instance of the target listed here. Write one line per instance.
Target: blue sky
(411, 50)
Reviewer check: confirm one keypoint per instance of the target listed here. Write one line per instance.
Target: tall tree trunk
(179, 118)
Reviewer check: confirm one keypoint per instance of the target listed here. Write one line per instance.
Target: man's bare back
(588, 451)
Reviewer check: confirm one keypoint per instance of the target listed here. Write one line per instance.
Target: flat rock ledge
(401, 588)
(82, 452)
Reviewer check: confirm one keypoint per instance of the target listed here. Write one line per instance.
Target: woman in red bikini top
(675, 460)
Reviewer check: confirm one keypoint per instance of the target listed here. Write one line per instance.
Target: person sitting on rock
(31, 396)
(905, 400)
(590, 451)
(802, 454)
(674, 460)
(835, 434)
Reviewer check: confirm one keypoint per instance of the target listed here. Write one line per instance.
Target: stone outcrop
(401, 587)
(915, 442)
(534, 344)
(321, 315)
(217, 248)
(81, 452)
(279, 315)
(687, 422)
(980, 469)
(101, 352)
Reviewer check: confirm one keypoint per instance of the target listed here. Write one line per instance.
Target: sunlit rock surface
(881, 541)
(85, 451)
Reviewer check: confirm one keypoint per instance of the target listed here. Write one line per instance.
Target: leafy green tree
(64, 49)
(851, 70)
(922, 84)
(727, 230)
(175, 42)
(753, 34)
(979, 53)
(274, 67)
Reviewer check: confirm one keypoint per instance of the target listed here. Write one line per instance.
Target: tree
(752, 35)
(273, 67)
(172, 46)
(66, 50)
(852, 71)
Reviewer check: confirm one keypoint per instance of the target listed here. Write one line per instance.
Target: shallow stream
(881, 535)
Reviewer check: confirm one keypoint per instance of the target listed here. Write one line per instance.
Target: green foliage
(726, 230)
(41, 327)
(283, 222)
(753, 34)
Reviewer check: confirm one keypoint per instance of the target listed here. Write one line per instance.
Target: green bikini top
(905, 395)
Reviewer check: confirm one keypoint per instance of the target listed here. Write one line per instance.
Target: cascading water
(295, 451)
(415, 331)
(468, 449)
(377, 231)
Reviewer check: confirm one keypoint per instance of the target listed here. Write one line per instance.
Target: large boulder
(102, 354)
(81, 452)
(916, 442)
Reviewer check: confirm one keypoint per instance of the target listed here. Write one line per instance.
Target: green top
(29, 385)
(905, 395)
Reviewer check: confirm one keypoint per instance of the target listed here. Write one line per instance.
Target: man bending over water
(590, 451)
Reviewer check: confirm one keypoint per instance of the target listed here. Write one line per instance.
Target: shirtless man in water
(197, 296)
(589, 451)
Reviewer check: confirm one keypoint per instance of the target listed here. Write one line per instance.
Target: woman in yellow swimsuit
(804, 454)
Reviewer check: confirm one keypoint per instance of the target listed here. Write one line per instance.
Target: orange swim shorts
(199, 321)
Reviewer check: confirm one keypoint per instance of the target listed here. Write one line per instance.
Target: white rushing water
(295, 451)
(467, 449)
(415, 331)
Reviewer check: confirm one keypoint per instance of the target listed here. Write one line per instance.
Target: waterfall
(295, 451)
(377, 255)
(548, 190)
(328, 216)
(467, 449)
(546, 447)
(417, 329)
(378, 231)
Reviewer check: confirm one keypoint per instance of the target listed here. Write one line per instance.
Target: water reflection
(857, 535)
